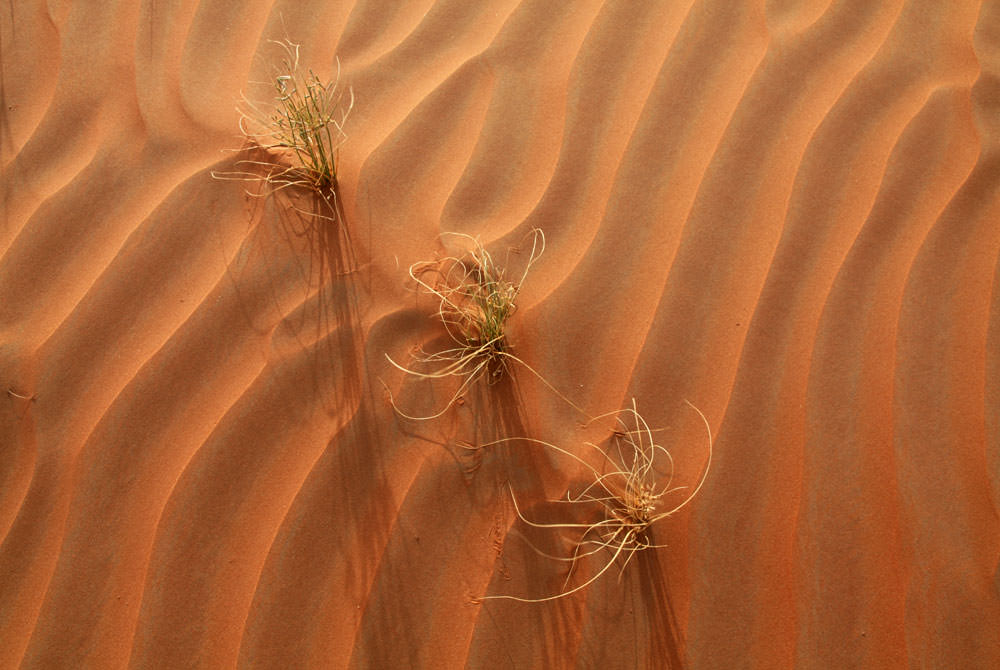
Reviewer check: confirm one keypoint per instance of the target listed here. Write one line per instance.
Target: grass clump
(630, 491)
(302, 128)
(476, 298)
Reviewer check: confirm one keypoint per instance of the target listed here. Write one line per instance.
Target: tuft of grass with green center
(302, 128)
(631, 491)
(475, 298)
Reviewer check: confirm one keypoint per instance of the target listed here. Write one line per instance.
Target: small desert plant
(630, 490)
(303, 128)
(475, 299)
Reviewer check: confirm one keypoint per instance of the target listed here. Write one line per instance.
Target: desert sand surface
(783, 212)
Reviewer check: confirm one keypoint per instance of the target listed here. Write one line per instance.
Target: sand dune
(783, 212)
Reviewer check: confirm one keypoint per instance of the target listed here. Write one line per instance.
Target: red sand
(784, 212)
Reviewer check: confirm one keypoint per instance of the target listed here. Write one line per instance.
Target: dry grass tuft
(302, 129)
(631, 491)
(476, 298)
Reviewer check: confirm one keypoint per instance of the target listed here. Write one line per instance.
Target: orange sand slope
(784, 211)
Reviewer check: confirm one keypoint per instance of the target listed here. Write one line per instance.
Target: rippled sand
(784, 212)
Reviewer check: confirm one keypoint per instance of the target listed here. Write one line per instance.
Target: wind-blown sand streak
(783, 212)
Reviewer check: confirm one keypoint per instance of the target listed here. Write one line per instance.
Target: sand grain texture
(783, 211)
